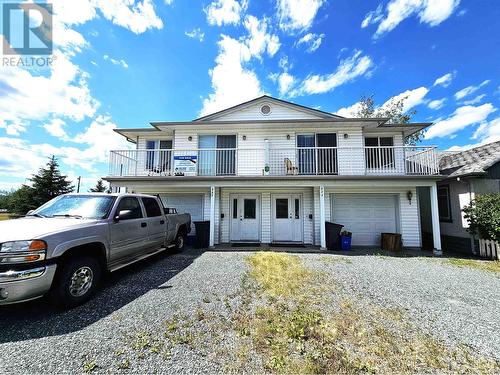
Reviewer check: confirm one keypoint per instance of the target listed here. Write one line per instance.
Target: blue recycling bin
(345, 242)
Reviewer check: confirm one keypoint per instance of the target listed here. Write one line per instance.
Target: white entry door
(245, 217)
(287, 218)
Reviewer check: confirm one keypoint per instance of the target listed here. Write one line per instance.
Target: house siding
(278, 112)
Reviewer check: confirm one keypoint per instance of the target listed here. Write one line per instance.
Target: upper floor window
(157, 159)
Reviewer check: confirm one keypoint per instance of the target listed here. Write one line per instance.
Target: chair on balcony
(290, 169)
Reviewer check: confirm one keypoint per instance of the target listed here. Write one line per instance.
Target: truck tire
(76, 281)
(180, 241)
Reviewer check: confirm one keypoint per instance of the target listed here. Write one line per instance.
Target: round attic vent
(265, 109)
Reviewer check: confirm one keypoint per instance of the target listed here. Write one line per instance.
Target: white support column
(436, 232)
(322, 230)
(212, 216)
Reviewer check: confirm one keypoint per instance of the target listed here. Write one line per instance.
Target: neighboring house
(466, 174)
(271, 171)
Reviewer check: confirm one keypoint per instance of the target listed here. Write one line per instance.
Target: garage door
(366, 216)
(185, 203)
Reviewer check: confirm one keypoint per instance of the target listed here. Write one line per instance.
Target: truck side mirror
(122, 215)
(30, 212)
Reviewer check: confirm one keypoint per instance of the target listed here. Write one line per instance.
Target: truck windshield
(76, 206)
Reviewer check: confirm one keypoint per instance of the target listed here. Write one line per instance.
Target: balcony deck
(289, 162)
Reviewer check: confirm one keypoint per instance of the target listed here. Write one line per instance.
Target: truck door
(129, 235)
(157, 224)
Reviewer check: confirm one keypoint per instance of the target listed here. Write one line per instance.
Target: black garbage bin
(202, 234)
(333, 235)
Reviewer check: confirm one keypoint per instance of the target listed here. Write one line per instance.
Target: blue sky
(124, 63)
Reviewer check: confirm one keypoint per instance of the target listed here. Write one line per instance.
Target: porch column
(322, 230)
(212, 216)
(436, 232)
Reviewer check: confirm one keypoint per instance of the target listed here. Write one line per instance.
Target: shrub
(483, 214)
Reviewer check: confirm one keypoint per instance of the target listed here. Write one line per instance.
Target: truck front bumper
(18, 286)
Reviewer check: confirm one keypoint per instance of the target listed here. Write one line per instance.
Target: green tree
(100, 187)
(49, 183)
(393, 110)
(21, 200)
(483, 214)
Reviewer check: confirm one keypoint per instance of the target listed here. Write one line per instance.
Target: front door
(245, 217)
(287, 218)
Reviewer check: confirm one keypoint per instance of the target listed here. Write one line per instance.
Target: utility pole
(78, 186)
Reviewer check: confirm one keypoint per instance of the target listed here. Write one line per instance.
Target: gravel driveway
(457, 305)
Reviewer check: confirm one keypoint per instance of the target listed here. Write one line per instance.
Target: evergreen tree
(21, 201)
(100, 187)
(394, 110)
(49, 183)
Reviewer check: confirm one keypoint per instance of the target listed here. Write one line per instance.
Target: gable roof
(316, 112)
(470, 162)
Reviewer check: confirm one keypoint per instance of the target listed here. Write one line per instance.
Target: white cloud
(195, 34)
(445, 80)
(63, 93)
(436, 104)
(487, 132)
(56, 128)
(120, 62)
(469, 90)
(137, 16)
(312, 41)
(297, 15)
(462, 117)
(285, 82)
(355, 66)
(220, 12)
(431, 12)
(350, 111)
(412, 98)
(476, 100)
(232, 81)
(13, 127)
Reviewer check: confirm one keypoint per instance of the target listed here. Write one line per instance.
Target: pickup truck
(64, 247)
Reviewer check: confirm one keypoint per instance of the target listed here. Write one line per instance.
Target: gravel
(457, 305)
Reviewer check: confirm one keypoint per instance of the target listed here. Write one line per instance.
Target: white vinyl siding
(278, 112)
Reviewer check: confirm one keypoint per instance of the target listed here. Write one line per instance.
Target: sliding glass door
(313, 158)
(217, 162)
(306, 153)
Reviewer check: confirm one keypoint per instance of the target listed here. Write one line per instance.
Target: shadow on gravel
(38, 318)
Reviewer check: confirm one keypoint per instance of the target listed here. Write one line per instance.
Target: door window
(281, 208)
(152, 207)
(132, 205)
(380, 152)
(297, 208)
(249, 208)
(235, 208)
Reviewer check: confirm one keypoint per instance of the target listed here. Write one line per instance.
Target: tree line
(45, 185)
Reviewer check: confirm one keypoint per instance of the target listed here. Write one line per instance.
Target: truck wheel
(180, 241)
(75, 282)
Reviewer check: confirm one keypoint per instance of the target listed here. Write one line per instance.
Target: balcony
(298, 161)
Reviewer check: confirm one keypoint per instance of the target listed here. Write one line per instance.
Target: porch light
(409, 195)
(190, 138)
(288, 136)
(346, 135)
(244, 137)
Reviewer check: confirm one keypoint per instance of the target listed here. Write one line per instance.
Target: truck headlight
(22, 251)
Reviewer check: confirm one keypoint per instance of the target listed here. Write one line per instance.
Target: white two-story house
(271, 171)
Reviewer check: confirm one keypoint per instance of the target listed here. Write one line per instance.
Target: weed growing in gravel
(125, 364)
(485, 265)
(328, 259)
(288, 320)
(89, 366)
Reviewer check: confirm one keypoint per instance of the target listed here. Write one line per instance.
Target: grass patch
(485, 265)
(278, 274)
(283, 323)
(4, 216)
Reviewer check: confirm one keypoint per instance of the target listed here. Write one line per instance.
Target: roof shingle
(474, 161)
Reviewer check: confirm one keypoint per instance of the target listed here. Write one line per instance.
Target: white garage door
(366, 216)
(185, 203)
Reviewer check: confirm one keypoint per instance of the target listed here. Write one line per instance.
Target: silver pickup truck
(65, 246)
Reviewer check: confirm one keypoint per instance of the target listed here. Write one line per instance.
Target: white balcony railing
(403, 160)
